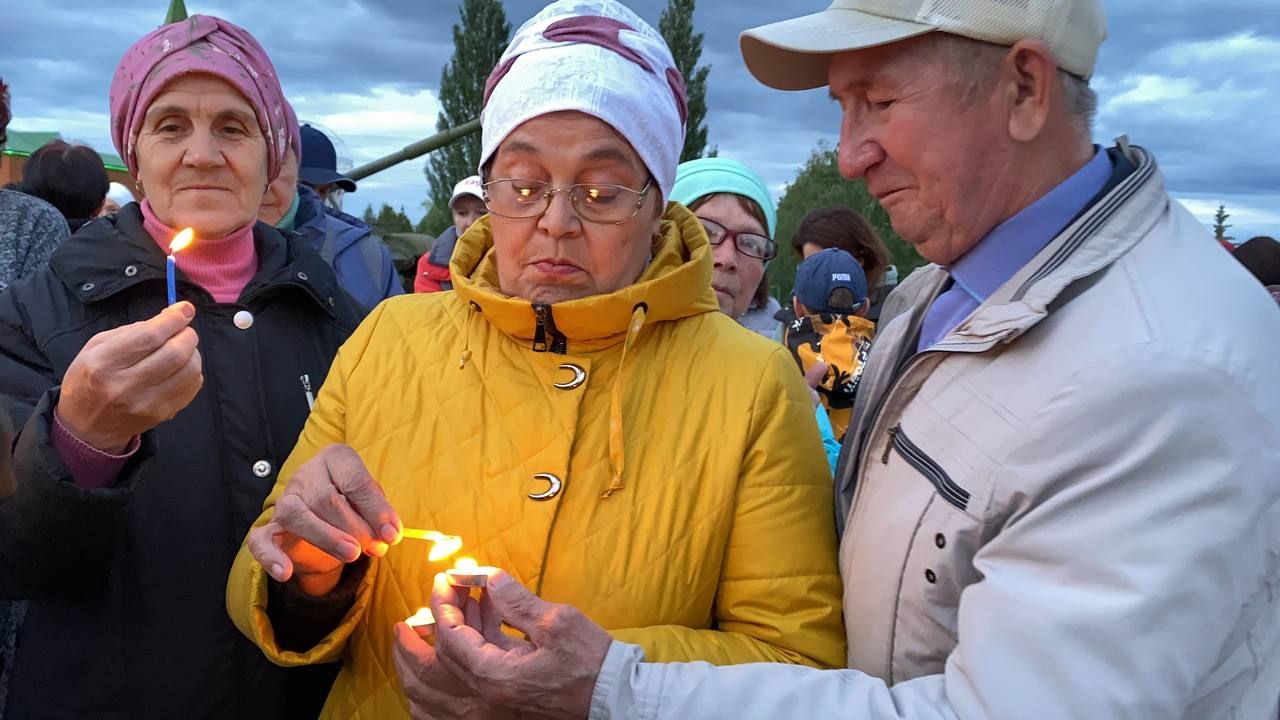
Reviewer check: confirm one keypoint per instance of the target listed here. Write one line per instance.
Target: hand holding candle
(126, 381)
(180, 241)
(552, 674)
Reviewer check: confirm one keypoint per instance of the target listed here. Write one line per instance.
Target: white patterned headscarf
(599, 58)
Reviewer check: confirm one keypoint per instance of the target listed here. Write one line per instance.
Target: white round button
(243, 319)
(262, 468)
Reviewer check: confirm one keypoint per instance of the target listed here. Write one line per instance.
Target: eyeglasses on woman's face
(602, 203)
(750, 244)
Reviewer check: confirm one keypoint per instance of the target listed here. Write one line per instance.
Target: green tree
(1220, 225)
(818, 185)
(368, 217)
(424, 228)
(676, 26)
(388, 220)
(478, 41)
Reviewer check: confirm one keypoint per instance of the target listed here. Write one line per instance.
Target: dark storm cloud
(1169, 75)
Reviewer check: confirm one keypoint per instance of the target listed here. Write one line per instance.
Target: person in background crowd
(361, 260)
(551, 409)
(830, 304)
(735, 205)
(117, 197)
(736, 210)
(318, 165)
(69, 177)
(881, 294)
(1261, 256)
(848, 230)
(30, 228)
(148, 433)
(1064, 448)
(467, 206)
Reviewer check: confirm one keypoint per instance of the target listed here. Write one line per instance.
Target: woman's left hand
(433, 692)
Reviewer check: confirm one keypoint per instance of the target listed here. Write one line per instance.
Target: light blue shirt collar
(1016, 241)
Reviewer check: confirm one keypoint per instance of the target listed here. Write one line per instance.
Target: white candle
(469, 574)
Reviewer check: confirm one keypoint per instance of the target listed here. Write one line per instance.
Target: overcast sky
(1193, 80)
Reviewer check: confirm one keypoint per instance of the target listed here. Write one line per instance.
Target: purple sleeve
(91, 468)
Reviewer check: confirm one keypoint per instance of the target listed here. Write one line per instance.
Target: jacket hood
(675, 285)
(313, 217)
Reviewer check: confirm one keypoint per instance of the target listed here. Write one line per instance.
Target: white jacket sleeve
(630, 689)
(1139, 581)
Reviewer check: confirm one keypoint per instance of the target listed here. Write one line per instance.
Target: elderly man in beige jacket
(1061, 494)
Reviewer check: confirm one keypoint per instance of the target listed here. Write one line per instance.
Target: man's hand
(128, 380)
(331, 513)
(551, 675)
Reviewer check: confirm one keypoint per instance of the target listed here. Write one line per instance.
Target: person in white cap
(1059, 496)
(577, 409)
(466, 206)
(117, 197)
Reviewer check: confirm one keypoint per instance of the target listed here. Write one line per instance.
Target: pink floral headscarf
(200, 44)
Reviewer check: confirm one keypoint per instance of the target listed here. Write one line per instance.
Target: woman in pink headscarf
(149, 433)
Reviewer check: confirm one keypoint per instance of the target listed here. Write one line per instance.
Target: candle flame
(181, 240)
(466, 563)
(445, 546)
(442, 545)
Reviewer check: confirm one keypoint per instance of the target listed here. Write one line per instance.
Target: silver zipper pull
(306, 387)
(888, 446)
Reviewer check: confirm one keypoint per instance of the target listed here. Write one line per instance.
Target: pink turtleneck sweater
(222, 266)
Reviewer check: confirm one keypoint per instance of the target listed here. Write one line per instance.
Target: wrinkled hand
(434, 692)
(127, 380)
(331, 513)
(551, 675)
(813, 378)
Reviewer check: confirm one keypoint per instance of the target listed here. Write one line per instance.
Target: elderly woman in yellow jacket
(578, 411)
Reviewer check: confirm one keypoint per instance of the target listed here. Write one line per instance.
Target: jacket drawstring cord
(617, 452)
(466, 337)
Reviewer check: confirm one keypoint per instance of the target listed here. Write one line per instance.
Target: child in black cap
(830, 300)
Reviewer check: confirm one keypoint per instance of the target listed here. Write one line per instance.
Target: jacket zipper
(927, 466)
(306, 388)
(546, 328)
(864, 453)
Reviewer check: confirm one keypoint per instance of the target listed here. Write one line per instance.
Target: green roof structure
(22, 143)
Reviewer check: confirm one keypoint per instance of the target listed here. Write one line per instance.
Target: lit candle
(469, 574)
(421, 619)
(445, 545)
(180, 241)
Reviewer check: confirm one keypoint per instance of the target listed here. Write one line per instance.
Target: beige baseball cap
(794, 54)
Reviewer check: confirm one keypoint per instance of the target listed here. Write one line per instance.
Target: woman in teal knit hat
(737, 210)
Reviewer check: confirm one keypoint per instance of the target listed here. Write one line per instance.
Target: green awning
(22, 143)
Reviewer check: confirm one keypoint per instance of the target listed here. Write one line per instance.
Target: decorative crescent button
(553, 487)
(579, 377)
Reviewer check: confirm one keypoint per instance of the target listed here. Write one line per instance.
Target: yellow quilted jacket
(694, 516)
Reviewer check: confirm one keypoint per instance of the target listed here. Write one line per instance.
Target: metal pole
(418, 149)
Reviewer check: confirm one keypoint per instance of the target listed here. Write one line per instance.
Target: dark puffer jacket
(126, 585)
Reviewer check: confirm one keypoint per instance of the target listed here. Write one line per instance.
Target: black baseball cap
(319, 162)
